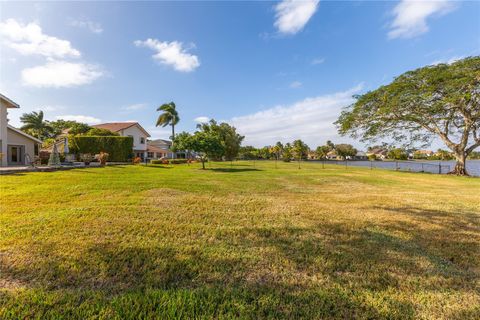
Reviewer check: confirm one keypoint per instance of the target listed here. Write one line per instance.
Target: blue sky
(275, 70)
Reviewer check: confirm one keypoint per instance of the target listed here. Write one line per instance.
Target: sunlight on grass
(239, 240)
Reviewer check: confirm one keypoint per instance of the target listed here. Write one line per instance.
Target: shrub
(156, 161)
(118, 148)
(136, 160)
(103, 157)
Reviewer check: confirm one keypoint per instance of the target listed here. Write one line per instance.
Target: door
(15, 155)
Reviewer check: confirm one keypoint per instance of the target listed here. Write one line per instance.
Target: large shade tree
(35, 125)
(440, 101)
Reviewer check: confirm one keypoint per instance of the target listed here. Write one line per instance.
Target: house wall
(3, 132)
(136, 133)
(17, 139)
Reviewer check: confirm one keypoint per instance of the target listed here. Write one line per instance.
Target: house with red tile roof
(130, 129)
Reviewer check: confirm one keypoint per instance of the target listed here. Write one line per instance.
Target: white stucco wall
(136, 133)
(3, 132)
(17, 139)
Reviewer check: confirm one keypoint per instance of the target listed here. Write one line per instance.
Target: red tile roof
(115, 126)
(119, 126)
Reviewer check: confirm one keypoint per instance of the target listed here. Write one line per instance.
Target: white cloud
(61, 74)
(310, 120)
(134, 107)
(447, 61)
(295, 84)
(172, 54)
(291, 16)
(92, 26)
(79, 118)
(30, 40)
(318, 61)
(159, 132)
(201, 119)
(411, 16)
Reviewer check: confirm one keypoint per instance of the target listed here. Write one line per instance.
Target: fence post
(439, 168)
(346, 163)
(371, 165)
(323, 164)
(396, 165)
(422, 168)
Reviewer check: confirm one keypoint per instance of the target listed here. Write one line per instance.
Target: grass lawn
(245, 241)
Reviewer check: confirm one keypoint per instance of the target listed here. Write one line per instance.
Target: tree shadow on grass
(326, 270)
(157, 167)
(233, 169)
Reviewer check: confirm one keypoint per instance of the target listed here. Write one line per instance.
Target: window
(142, 140)
(35, 149)
(150, 154)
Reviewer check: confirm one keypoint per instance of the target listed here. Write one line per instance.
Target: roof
(119, 126)
(151, 148)
(10, 103)
(160, 142)
(24, 134)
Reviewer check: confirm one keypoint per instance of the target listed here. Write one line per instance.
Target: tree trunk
(460, 169)
(203, 163)
(173, 138)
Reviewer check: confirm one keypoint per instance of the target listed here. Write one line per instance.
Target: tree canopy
(35, 125)
(434, 101)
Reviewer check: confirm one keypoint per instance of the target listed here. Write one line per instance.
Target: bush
(136, 160)
(156, 161)
(118, 148)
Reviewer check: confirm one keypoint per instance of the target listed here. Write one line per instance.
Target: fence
(410, 166)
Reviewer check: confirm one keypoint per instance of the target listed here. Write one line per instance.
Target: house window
(150, 154)
(35, 149)
(142, 140)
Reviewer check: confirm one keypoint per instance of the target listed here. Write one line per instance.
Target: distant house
(423, 154)
(379, 153)
(360, 156)
(159, 148)
(16, 147)
(332, 155)
(130, 129)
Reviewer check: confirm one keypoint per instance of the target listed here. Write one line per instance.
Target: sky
(275, 70)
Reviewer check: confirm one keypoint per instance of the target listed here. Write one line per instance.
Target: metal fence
(409, 166)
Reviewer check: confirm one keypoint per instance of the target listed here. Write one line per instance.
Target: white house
(130, 129)
(159, 148)
(16, 147)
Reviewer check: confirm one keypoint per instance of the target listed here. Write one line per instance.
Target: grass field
(239, 241)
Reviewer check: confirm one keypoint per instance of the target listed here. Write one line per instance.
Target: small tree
(345, 150)
(322, 151)
(207, 145)
(300, 150)
(397, 154)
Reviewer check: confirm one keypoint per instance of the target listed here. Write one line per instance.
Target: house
(360, 156)
(423, 154)
(332, 155)
(379, 153)
(17, 147)
(159, 148)
(130, 129)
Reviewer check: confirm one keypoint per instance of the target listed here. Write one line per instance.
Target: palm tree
(169, 117)
(35, 125)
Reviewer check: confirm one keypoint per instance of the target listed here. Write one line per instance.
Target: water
(473, 166)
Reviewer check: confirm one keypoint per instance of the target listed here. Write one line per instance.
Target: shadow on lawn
(233, 169)
(321, 271)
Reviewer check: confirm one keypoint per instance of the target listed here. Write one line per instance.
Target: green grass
(239, 241)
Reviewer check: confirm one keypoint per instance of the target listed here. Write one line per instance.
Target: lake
(473, 166)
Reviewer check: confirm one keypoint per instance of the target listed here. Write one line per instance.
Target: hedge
(119, 149)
